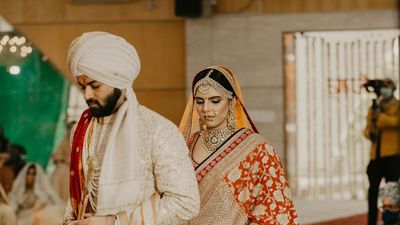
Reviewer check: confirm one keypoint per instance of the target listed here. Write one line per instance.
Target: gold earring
(201, 124)
(231, 115)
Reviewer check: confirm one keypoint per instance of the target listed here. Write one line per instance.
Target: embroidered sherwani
(242, 182)
(165, 169)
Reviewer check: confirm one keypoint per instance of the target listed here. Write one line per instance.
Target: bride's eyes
(199, 101)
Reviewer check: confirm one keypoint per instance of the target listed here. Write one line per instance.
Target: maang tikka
(205, 83)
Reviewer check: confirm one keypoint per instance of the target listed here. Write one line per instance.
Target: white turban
(104, 57)
(113, 61)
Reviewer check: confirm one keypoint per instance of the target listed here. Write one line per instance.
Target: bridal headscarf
(110, 59)
(41, 188)
(190, 120)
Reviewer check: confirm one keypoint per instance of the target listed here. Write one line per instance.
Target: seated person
(7, 215)
(390, 196)
(6, 172)
(31, 192)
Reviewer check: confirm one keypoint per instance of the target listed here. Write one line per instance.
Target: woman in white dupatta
(31, 193)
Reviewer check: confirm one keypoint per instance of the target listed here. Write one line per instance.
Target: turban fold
(104, 57)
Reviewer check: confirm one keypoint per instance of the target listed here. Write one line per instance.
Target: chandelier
(14, 45)
(14, 48)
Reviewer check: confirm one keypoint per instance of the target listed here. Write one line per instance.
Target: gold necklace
(213, 139)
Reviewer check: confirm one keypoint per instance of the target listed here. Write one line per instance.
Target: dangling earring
(231, 115)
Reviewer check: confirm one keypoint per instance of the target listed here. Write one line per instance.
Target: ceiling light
(14, 70)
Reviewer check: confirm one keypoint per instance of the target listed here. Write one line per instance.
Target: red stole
(77, 180)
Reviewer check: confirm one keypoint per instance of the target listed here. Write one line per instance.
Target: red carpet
(351, 220)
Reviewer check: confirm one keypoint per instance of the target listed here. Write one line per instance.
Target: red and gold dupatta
(243, 182)
(77, 180)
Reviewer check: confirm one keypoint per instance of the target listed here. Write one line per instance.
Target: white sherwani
(165, 169)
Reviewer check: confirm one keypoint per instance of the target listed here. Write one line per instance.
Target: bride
(241, 179)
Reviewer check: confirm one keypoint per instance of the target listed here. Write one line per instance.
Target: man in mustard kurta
(383, 130)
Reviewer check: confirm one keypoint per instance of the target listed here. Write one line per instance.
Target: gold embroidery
(204, 85)
(213, 139)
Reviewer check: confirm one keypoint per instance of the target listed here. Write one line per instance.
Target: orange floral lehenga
(243, 181)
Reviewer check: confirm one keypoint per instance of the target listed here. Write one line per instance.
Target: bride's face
(212, 108)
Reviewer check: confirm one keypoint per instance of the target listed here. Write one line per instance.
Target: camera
(374, 86)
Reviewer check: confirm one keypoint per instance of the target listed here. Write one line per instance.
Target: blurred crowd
(28, 196)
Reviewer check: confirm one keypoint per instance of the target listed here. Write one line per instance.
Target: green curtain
(33, 104)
